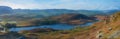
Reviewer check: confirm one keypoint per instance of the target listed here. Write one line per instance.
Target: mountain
(109, 28)
(20, 14)
(64, 11)
(5, 10)
(71, 19)
(49, 12)
(44, 12)
(75, 19)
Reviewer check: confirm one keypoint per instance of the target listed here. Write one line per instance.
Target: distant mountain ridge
(5, 9)
(47, 12)
(64, 11)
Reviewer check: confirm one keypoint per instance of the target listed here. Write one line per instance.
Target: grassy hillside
(105, 29)
(72, 19)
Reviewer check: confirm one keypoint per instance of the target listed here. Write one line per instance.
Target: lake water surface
(55, 26)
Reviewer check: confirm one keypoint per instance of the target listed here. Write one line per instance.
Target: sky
(62, 4)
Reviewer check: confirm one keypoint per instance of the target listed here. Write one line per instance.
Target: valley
(58, 24)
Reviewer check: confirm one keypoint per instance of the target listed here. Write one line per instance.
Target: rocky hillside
(106, 29)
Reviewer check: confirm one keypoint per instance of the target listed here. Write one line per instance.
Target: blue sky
(62, 4)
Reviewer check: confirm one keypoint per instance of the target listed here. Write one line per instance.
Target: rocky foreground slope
(109, 28)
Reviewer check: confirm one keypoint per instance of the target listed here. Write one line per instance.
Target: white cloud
(3, 3)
